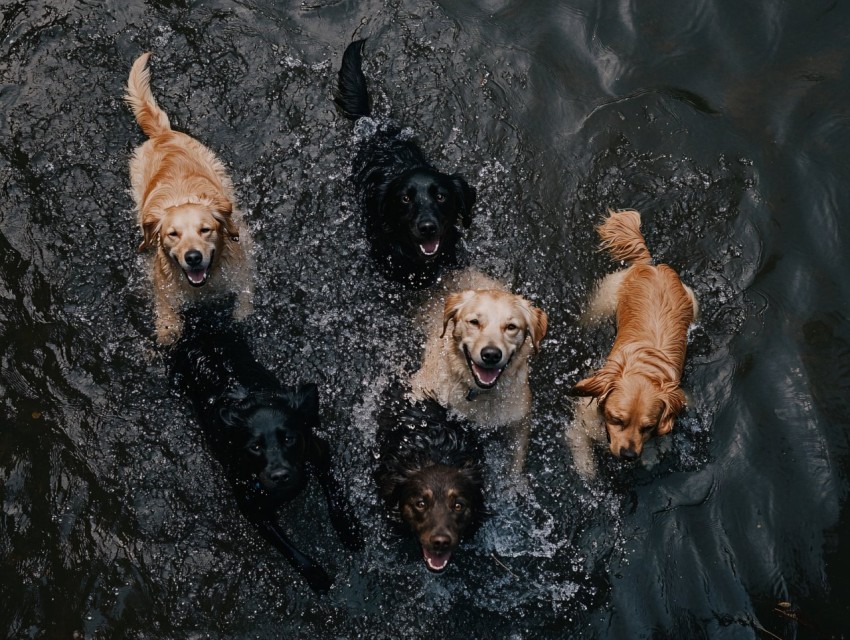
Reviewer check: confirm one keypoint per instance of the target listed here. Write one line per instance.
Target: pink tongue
(435, 561)
(430, 248)
(197, 276)
(485, 376)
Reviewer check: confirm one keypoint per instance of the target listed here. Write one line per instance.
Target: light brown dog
(187, 214)
(479, 366)
(637, 390)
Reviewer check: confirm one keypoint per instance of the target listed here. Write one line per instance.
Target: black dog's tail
(351, 95)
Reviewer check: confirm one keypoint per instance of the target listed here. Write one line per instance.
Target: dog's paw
(244, 307)
(168, 334)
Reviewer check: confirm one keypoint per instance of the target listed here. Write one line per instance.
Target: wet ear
(223, 212)
(230, 416)
(454, 303)
(232, 404)
(538, 323)
(150, 231)
(305, 400)
(674, 402)
(465, 196)
(597, 386)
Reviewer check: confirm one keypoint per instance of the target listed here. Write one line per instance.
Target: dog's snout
(627, 453)
(193, 258)
(280, 475)
(440, 542)
(427, 228)
(491, 355)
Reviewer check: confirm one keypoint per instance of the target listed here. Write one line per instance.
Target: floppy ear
(465, 196)
(454, 303)
(150, 231)
(305, 400)
(230, 415)
(538, 322)
(593, 386)
(223, 212)
(597, 386)
(674, 402)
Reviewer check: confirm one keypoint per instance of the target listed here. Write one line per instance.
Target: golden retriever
(186, 211)
(479, 367)
(637, 390)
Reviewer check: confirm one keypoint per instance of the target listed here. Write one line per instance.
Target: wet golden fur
(637, 389)
(481, 313)
(185, 205)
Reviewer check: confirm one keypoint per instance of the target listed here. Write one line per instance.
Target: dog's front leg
(342, 518)
(168, 323)
(316, 577)
(244, 304)
(521, 432)
(586, 429)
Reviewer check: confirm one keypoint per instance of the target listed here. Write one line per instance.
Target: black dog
(261, 432)
(411, 209)
(430, 474)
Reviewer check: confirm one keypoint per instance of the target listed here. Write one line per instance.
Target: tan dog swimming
(637, 390)
(186, 209)
(477, 352)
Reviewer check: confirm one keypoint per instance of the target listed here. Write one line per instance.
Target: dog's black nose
(440, 542)
(628, 454)
(193, 258)
(427, 229)
(279, 476)
(491, 355)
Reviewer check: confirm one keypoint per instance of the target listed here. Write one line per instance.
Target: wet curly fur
(430, 474)
(411, 209)
(261, 432)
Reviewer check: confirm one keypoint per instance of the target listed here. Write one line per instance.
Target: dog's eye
(474, 322)
(440, 197)
(255, 449)
(172, 234)
(420, 504)
(458, 507)
(511, 327)
(205, 230)
(647, 427)
(405, 199)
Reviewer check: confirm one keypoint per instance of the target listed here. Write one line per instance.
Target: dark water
(725, 122)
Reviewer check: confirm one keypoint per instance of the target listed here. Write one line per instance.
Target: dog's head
(634, 406)
(490, 326)
(270, 435)
(192, 234)
(420, 209)
(441, 505)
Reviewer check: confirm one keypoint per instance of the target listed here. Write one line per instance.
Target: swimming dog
(637, 391)
(479, 366)
(411, 209)
(262, 433)
(187, 214)
(430, 474)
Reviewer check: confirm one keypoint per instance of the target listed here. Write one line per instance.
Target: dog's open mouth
(436, 562)
(485, 378)
(430, 248)
(197, 277)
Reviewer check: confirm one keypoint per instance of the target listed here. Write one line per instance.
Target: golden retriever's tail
(150, 117)
(621, 236)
